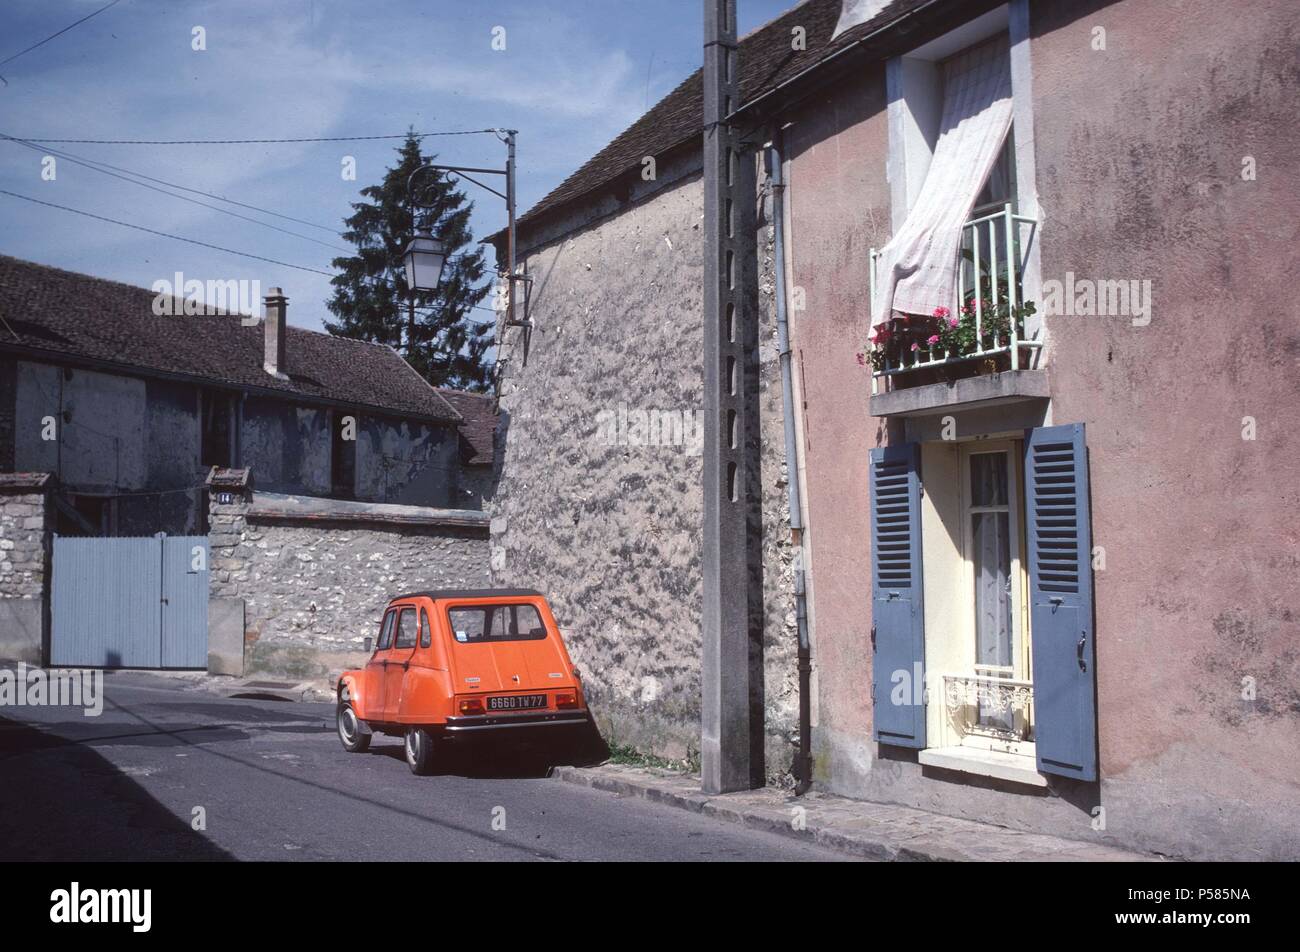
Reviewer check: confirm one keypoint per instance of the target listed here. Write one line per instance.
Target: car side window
(426, 634)
(406, 630)
(386, 632)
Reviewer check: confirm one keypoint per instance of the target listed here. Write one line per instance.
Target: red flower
(933, 339)
(941, 312)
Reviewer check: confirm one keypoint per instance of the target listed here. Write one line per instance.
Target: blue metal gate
(130, 602)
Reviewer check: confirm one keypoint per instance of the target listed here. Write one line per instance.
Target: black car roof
(471, 593)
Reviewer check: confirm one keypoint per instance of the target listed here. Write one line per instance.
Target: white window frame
(1022, 664)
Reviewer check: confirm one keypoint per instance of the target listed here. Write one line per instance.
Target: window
(1000, 187)
(496, 623)
(407, 630)
(386, 632)
(218, 434)
(343, 459)
(992, 547)
(426, 633)
(982, 586)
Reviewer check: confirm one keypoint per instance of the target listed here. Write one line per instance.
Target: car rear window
(496, 623)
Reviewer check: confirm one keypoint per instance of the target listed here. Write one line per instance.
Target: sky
(572, 76)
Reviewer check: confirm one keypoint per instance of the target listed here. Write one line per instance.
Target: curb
(861, 829)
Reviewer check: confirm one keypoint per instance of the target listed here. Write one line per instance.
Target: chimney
(277, 306)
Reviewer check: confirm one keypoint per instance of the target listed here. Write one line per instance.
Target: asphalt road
(273, 783)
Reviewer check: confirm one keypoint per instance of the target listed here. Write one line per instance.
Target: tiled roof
(66, 314)
(767, 60)
(480, 426)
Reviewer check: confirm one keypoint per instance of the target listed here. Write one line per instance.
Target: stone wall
(24, 556)
(599, 504)
(315, 588)
(23, 545)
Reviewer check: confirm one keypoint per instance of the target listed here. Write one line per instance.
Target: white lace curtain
(916, 271)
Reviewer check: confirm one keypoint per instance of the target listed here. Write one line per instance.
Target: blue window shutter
(1060, 600)
(897, 604)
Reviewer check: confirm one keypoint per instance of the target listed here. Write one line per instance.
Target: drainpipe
(803, 760)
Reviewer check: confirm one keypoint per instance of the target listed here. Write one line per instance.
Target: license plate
(517, 702)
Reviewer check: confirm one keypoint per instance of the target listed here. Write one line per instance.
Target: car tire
(419, 751)
(352, 730)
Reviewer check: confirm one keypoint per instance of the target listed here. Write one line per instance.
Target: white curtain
(916, 271)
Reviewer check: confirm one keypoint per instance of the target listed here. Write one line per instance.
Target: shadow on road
(508, 758)
(61, 801)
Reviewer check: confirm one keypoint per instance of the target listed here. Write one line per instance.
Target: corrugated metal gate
(130, 603)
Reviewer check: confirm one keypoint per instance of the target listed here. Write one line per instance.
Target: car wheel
(353, 731)
(419, 751)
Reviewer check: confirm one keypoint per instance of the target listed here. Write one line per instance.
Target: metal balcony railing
(991, 268)
(989, 705)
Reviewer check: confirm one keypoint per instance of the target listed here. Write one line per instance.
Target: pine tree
(370, 296)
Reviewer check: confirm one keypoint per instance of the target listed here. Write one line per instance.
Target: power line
(183, 188)
(417, 135)
(163, 234)
(94, 167)
(60, 33)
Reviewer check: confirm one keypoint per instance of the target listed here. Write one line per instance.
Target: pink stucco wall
(837, 209)
(1139, 151)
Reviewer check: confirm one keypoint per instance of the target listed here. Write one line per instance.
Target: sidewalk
(874, 831)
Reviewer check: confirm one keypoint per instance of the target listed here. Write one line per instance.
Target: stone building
(1065, 606)
(129, 410)
(353, 479)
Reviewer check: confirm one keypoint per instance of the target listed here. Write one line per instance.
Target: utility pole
(725, 743)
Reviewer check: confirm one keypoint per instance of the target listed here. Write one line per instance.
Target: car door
(373, 699)
(505, 649)
(406, 636)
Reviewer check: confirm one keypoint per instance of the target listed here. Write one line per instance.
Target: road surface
(270, 781)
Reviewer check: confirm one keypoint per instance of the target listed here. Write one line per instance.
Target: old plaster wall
(837, 148)
(314, 591)
(599, 503)
(114, 433)
(409, 463)
(286, 445)
(1141, 149)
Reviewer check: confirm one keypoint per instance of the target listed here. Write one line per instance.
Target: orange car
(460, 663)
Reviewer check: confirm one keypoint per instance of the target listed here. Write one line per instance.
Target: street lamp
(425, 255)
(424, 258)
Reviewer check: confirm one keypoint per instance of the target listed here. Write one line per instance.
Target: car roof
(438, 593)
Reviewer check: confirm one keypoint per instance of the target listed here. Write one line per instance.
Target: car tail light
(566, 700)
(470, 705)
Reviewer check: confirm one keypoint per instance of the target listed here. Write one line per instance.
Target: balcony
(987, 727)
(988, 704)
(991, 355)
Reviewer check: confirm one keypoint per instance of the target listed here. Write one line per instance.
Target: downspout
(803, 760)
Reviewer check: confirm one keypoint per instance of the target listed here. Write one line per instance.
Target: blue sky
(573, 75)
